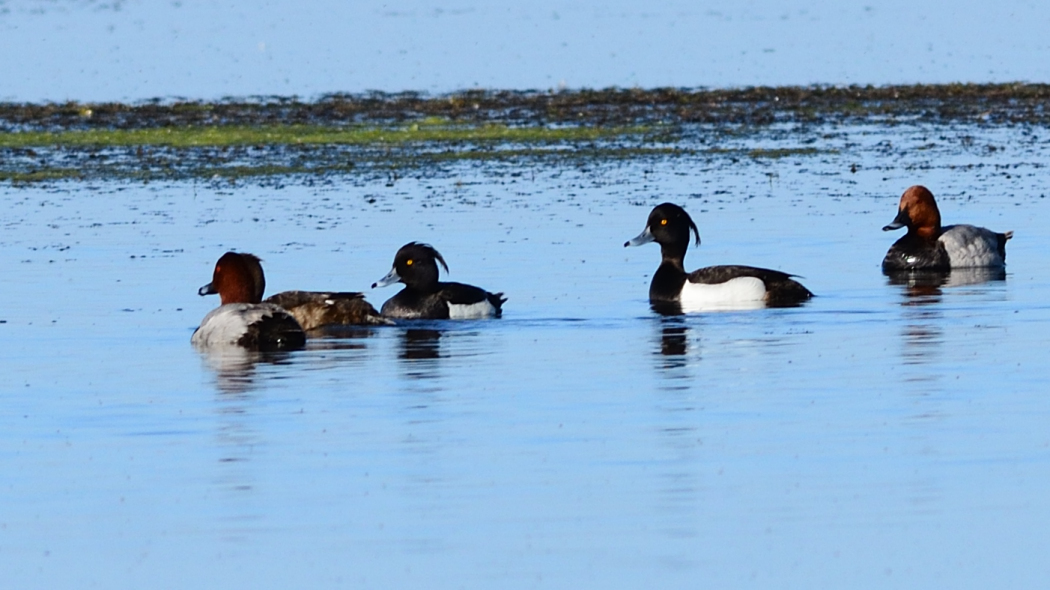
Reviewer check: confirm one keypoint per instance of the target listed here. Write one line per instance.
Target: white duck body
(257, 326)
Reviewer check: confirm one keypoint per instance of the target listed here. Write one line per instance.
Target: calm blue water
(86, 50)
(878, 437)
(883, 436)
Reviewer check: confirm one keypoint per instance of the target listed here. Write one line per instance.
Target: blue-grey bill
(643, 238)
(390, 278)
(208, 289)
(901, 220)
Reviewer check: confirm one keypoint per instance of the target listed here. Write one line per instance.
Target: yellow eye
(409, 262)
(663, 222)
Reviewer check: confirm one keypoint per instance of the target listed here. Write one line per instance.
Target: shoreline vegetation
(344, 133)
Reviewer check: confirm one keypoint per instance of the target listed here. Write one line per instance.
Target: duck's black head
(668, 225)
(415, 265)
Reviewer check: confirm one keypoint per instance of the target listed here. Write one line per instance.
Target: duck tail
(497, 300)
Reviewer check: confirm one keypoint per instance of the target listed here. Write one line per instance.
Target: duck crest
(670, 225)
(421, 250)
(417, 265)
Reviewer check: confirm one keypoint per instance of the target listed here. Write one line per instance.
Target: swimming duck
(241, 318)
(316, 309)
(928, 246)
(424, 297)
(714, 287)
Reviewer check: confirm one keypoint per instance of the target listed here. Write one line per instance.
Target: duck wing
(469, 295)
(781, 289)
(314, 309)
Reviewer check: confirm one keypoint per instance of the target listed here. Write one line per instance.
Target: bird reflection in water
(337, 347)
(922, 291)
(928, 283)
(337, 337)
(237, 435)
(673, 343)
(236, 439)
(420, 352)
(667, 309)
(920, 287)
(921, 327)
(420, 344)
(674, 334)
(676, 404)
(235, 368)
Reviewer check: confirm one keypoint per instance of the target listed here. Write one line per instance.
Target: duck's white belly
(969, 246)
(734, 294)
(479, 310)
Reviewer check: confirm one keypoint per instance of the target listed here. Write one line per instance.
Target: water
(88, 50)
(880, 436)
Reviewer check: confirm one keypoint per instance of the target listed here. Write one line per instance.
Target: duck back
(970, 246)
(313, 309)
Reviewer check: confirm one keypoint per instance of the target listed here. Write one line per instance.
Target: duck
(322, 309)
(713, 287)
(242, 319)
(317, 309)
(424, 297)
(928, 246)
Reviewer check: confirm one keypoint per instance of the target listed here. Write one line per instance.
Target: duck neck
(926, 233)
(673, 256)
(672, 267)
(668, 279)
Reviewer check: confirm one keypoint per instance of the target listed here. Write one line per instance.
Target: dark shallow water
(880, 436)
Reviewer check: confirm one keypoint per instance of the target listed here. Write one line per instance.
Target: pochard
(928, 246)
(242, 319)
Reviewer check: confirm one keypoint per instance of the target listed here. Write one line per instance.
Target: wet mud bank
(387, 133)
(1002, 103)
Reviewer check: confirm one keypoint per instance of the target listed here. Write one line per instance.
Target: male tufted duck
(714, 287)
(424, 297)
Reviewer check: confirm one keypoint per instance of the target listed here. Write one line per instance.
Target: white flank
(481, 309)
(735, 294)
(970, 246)
(224, 325)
